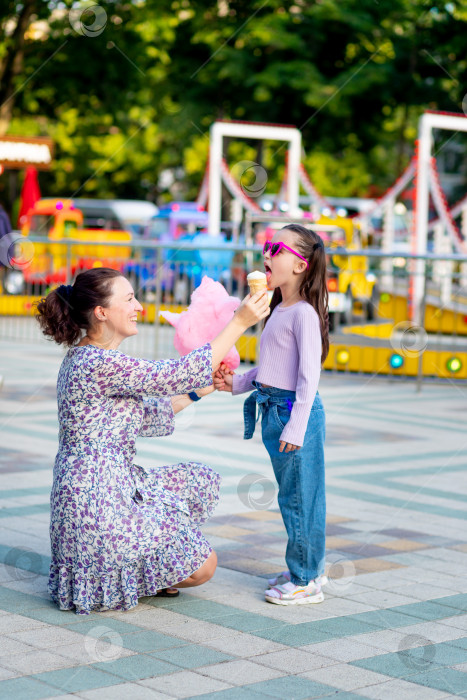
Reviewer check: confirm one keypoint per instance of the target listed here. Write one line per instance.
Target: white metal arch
(428, 122)
(250, 130)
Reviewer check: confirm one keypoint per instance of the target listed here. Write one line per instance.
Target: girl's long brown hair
(314, 288)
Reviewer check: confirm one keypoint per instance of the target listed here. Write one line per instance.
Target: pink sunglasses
(275, 248)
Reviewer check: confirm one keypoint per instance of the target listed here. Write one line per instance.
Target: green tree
(134, 91)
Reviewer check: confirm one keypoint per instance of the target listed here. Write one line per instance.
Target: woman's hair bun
(55, 316)
(67, 310)
(65, 291)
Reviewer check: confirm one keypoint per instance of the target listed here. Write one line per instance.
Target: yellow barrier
(445, 321)
(437, 319)
(373, 360)
(21, 305)
(246, 347)
(149, 312)
(392, 307)
(370, 330)
(353, 358)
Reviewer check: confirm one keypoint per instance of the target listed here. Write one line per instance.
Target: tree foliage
(132, 92)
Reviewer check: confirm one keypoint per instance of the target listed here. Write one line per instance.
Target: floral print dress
(119, 531)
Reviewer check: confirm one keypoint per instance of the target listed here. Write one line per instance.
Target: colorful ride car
(130, 215)
(175, 220)
(175, 270)
(48, 262)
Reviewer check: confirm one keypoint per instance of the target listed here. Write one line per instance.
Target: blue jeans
(300, 476)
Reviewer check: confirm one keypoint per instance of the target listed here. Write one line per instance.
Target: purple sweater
(290, 358)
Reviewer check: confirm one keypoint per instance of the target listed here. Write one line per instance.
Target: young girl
(294, 343)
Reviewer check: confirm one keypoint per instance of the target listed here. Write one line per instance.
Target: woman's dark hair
(314, 288)
(65, 311)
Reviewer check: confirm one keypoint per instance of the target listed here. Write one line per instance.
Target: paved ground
(394, 621)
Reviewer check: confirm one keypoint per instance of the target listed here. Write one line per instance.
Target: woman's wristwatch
(194, 396)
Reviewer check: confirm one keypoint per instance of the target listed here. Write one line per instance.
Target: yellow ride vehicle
(40, 265)
(349, 277)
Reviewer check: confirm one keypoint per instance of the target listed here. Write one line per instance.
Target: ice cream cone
(257, 282)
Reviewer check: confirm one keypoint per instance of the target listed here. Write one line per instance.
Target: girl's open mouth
(267, 270)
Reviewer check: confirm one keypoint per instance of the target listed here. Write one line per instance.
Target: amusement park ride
(410, 309)
(426, 305)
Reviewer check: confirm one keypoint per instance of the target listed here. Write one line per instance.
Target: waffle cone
(257, 286)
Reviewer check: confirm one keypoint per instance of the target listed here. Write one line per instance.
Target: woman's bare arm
(252, 310)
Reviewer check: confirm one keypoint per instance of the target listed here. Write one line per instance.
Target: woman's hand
(253, 309)
(288, 446)
(223, 379)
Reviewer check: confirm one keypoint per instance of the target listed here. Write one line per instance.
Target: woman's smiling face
(121, 313)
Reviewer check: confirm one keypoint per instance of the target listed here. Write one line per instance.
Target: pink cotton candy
(210, 311)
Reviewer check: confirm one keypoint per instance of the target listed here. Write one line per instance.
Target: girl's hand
(218, 381)
(208, 389)
(253, 309)
(288, 446)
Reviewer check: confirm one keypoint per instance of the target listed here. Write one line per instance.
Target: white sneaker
(290, 594)
(284, 576)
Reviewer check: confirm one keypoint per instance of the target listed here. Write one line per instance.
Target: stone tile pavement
(394, 620)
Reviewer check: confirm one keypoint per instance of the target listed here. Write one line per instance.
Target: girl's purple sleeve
(158, 418)
(308, 337)
(112, 373)
(243, 382)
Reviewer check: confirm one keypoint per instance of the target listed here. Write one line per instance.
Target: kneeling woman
(119, 531)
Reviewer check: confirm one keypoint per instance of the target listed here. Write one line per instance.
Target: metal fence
(370, 295)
